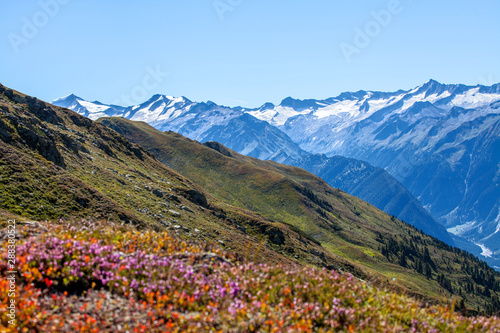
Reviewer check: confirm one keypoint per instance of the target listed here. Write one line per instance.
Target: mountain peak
(267, 106)
(157, 97)
(431, 82)
(360, 94)
(299, 104)
(70, 97)
(431, 87)
(289, 101)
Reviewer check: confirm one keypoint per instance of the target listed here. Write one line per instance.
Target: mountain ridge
(412, 134)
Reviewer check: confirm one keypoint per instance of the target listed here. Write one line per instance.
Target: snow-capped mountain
(204, 121)
(440, 141)
(92, 110)
(350, 108)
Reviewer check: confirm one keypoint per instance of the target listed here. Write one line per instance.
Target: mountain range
(442, 142)
(242, 132)
(59, 165)
(435, 144)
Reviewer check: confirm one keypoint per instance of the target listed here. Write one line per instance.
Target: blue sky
(243, 52)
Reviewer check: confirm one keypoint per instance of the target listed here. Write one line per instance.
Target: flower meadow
(105, 278)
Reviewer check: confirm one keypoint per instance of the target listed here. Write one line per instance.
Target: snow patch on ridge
(459, 230)
(93, 108)
(473, 98)
(487, 253)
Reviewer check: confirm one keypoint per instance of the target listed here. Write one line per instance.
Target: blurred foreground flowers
(106, 278)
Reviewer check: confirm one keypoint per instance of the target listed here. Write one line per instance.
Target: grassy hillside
(344, 225)
(56, 164)
(102, 277)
